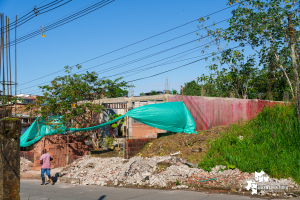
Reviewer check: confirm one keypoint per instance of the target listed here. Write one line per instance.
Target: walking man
(45, 162)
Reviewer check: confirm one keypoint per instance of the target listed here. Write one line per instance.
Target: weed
(178, 182)
(270, 142)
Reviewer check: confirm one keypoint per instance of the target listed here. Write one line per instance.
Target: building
(131, 128)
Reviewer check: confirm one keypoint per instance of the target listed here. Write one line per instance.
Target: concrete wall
(209, 112)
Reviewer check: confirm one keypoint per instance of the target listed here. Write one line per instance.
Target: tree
(153, 92)
(142, 94)
(174, 92)
(191, 89)
(269, 28)
(113, 89)
(71, 97)
(263, 25)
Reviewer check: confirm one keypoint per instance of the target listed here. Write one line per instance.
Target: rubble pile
(25, 165)
(158, 172)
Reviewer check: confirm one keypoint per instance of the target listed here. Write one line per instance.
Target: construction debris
(158, 172)
(25, 165)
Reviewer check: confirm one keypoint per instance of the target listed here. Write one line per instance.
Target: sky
(114, 26)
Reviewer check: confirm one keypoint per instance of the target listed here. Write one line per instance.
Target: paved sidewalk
(32, 190)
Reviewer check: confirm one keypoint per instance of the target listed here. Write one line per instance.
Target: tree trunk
(294, 63)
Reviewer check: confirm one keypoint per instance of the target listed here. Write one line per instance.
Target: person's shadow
(102, 197)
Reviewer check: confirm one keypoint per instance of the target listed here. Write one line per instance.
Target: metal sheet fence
(209, 112)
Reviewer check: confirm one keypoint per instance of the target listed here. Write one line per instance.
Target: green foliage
(116, 124)
(142, 94)
(115, 88)
(174, 92)
(71, 97)
(153, 92)
(191, 89)
(270, 143)
(108, 142)
(263, 26)
(178, 182)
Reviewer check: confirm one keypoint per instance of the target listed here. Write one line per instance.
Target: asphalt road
(32, 190)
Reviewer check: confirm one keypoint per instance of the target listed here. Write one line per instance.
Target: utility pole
(291, 33)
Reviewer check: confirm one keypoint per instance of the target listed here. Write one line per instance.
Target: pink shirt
(46, 160)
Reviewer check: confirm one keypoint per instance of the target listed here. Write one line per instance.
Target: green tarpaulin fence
(170, 116)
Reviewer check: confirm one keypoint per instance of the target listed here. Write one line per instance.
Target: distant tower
(167, 86)
(131, 91)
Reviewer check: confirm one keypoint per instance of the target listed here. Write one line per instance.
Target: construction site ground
(187, 144)
(156, 168)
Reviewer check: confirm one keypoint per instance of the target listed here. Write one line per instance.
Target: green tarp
(170, 116)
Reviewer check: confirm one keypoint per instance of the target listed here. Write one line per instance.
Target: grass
(270, 142)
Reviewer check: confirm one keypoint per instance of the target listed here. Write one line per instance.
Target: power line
(134, 43)
(181, 66)
(31, 8)
(61, 17)
(130, 62)
(64, 21)
(127, 54)
(36, 11)
(128, 71)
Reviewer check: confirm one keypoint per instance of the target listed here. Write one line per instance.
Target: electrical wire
(135, 43)
(64, 21)
(22, 20)
(122, 56)
(130, 62)
(181, 65)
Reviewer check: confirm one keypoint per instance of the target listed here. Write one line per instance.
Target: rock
(262, 193)
(116, 182)
(182, 186)
(233, 190)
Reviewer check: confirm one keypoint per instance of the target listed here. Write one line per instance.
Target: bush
(269, 142)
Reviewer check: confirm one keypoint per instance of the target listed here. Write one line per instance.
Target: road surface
(32, 190)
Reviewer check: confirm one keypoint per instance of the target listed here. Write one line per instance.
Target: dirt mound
(192, 147)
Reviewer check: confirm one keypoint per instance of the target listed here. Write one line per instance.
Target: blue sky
(116, 25)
